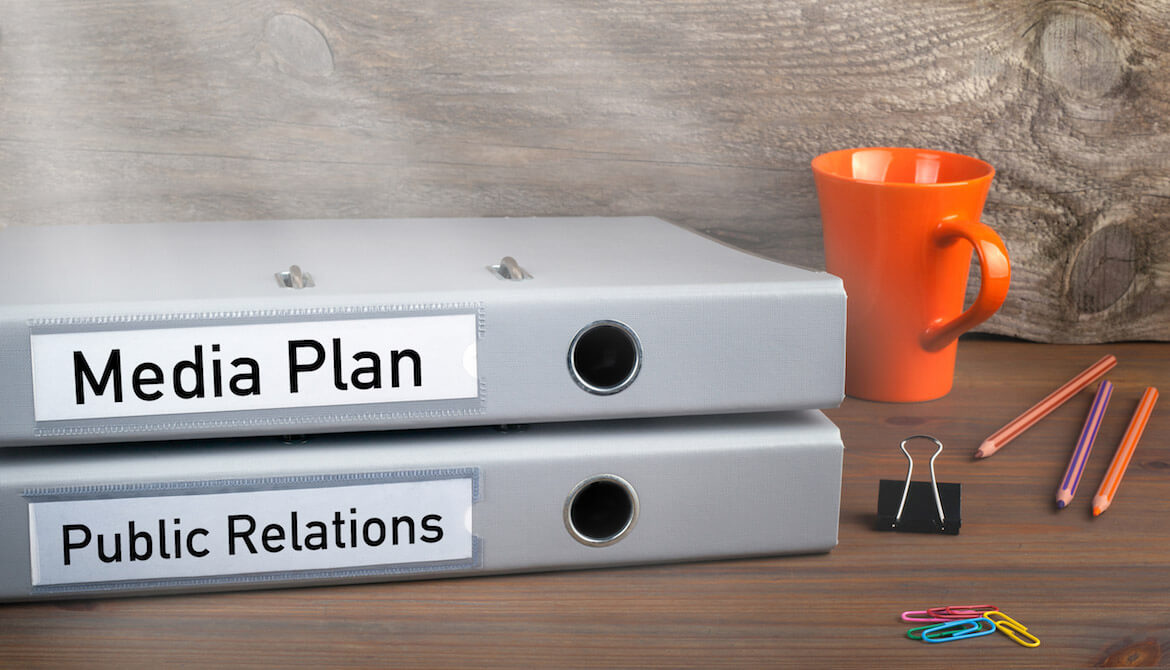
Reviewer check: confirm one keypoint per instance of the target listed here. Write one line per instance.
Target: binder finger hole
(601, 510)
(605, 357)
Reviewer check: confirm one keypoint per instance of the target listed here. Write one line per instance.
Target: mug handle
(995, 275)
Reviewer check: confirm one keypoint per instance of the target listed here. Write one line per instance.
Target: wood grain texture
(702, 112)
(1094, 590)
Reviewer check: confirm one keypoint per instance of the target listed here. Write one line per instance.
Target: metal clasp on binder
(911, 509)
(295, 278)
(509, 269)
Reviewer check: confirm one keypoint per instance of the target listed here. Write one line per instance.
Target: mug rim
(819, 169)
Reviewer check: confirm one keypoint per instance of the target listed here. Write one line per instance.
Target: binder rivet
(605, 357)
(601, 510)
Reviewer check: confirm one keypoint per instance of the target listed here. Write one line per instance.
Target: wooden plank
(705, 113)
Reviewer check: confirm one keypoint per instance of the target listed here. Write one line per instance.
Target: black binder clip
(919, 507)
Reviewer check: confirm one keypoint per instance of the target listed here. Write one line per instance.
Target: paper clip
(913, 512)
(921, 616)
(960, 629)
(953, 612)
(1016, 631)
(916, 633)
(947, 613)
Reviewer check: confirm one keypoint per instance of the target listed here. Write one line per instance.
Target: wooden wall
(704, 112)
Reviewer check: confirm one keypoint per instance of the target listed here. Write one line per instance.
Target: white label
(222, 534)
(266, 366)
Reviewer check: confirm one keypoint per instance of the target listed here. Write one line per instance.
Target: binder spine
(692, 350)
(150, 518)
(589, 318)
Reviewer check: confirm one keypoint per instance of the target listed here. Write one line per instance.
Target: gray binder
(172, 331)
(362, 507)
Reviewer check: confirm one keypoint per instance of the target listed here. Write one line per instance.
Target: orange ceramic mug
(899, 226)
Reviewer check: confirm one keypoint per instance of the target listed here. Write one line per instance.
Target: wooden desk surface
(1095, 591)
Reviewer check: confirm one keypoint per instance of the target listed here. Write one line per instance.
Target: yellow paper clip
(1015, 630)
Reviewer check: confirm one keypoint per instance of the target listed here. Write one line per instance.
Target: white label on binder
(208, 535)
(120, 373)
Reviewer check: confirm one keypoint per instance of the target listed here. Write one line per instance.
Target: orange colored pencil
(1023, 422)
(1117, 467)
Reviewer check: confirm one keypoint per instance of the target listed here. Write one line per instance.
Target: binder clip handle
(933, 480)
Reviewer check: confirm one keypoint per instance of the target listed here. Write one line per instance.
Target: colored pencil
(1080, 455)
(1137, 424)
(1023, 422)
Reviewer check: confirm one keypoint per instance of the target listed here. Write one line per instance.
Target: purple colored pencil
(1080, 455)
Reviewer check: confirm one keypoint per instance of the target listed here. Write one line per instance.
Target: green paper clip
(916, 633)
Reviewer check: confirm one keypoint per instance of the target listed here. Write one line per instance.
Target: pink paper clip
(920, 616)
(957, 612)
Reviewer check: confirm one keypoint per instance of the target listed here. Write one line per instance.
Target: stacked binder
(244, 405)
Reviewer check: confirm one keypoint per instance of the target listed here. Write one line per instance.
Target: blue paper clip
(960, 629)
